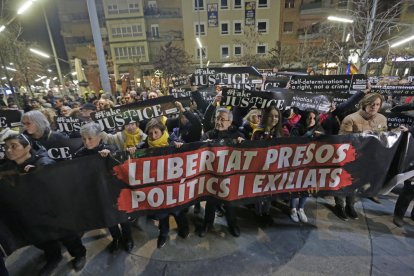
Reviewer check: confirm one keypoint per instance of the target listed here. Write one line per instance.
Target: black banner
(10, 118)
(394, 120)
(83, 194)
(328, 83)
(394, 90)
(236, 77)
(180, 92)
(62, 149)
(114, 118)
(254, 99)
(250, 13)
(68, 124)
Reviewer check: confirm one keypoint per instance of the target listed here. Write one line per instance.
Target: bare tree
(374, 24)
(172, 61)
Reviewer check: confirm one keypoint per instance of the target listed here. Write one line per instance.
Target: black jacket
(37, 158)
(82, 151)
(231, 133)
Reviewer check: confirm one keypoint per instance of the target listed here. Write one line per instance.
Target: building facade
(221, 26)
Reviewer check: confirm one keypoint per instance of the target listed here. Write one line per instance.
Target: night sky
(34, 29)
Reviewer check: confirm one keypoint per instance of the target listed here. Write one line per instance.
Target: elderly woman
(37, 128)
(365, 120)
(222, 130)
(92, 144)
(23, 158)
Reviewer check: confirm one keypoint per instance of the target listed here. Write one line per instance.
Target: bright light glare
(25, 7)
(2, 28)
(340, 19)
(199, 42)
(402, 41)
(37, 52)
(348, 36)
(11, 69)
(73, 73)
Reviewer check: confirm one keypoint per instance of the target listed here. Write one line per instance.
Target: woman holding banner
(92, 144)
(270, 128)
(365, 120)
(223, 130)
(158, 137)
(23, 158)
(308, 126)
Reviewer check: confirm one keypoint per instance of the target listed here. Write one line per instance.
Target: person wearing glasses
(23, 158)
(223, 130)
(37, 128)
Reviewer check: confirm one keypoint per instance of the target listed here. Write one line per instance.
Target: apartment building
(221, 27)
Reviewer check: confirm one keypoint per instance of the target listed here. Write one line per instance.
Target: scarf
(253, 126)
(131, 139)
(160, 142)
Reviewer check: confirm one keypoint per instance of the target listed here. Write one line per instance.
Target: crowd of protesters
(203, 121)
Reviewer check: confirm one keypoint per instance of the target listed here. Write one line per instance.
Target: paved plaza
(371, 245)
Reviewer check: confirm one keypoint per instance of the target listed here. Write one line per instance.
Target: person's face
(373, 108)
(218, 88)
(273, 118)
(131, 127)
(222, 121)
(29, 126)
(127, 99)
(86, 112)
(311, 119)
(154, 133)
(152, 95)
(65, 112)
(15, 150)
(35, 104)
(101, 105)
(91, 142)
(58, 103)
(255, 118)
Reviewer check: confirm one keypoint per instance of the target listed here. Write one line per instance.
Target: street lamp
(344, 39)
(396, 44)
(39, 53)
(200, 50)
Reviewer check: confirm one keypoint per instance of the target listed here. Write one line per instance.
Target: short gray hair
(90, 129)
(38, 119)
(224, 110)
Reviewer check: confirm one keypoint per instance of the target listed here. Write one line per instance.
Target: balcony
(165, 36)
(310, 36)
(163, 13)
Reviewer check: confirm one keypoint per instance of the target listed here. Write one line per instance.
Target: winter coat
(358, 122)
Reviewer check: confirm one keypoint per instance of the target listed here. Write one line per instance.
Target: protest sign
(10, 118)
(328, 83)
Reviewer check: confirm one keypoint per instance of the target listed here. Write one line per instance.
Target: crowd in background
(202, 121)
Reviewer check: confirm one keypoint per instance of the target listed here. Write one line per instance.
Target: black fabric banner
(328, 83)
(62, 149)
(85, 194)
(10, 118)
